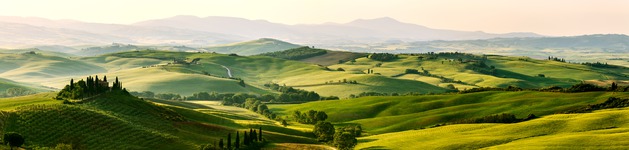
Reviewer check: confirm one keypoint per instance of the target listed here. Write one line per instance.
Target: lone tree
(229, 141)
(245, 139)
(220, 144)
(284, 123)
(237, 142)
(13, 139)
(260, 134)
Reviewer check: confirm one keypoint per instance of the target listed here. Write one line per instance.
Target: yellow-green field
(605, 129)
(386, 114)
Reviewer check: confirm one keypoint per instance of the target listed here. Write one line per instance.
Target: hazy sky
(549, 17)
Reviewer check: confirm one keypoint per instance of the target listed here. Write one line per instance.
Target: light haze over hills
(197, 31)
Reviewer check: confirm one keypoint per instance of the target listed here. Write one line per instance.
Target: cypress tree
(255, 135)
(260, 134)
(220, 144)
(237, 142)
(105, 78)
(245, 138)
(97, 85)
(229, 141)
(251, 135)
(71, 84)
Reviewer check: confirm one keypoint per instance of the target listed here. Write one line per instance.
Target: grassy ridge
(121, 122)
(254, 47)
(43, 69)
(390, 114)
(606, 129)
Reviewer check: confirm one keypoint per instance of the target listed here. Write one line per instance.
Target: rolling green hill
(398, 113)
(605, 129)
(435, 72)
(115, 121)
(42, 69)
(254, 47)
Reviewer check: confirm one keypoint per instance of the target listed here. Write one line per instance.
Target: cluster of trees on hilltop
(556, 59)
(310, 117)
(296, 53)
(382, 56)
(251, 140)
(90, 87)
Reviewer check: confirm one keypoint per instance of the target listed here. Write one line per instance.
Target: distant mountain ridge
(361, 30)
(196, 31)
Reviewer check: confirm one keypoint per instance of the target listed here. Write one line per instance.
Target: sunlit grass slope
(253, 47)
(511, 71)
(605, 129)
(38, 68)
(114, 121)
(7, 104)
(108, 122)
(390, 114)
(7, 84)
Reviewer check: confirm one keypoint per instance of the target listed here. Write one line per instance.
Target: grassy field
(380, 115)
(253, 47)
(42, 69)
(7, 104)
(148, 70)
(333, 57)
(605, 129)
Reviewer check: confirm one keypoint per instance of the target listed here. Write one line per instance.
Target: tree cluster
(342, 138)
(258, 107)
(611, 102)
(168, 96)
(90, 87)
(289, 94)
(499, 118)
(481, 67)
(296, 53)
(310, 117)
(556, 59)
(345, 137)
(382, 56)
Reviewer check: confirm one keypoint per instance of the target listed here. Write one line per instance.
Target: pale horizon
(553, 18)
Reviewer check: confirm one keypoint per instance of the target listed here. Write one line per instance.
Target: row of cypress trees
(250, 140)
(89, 87)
